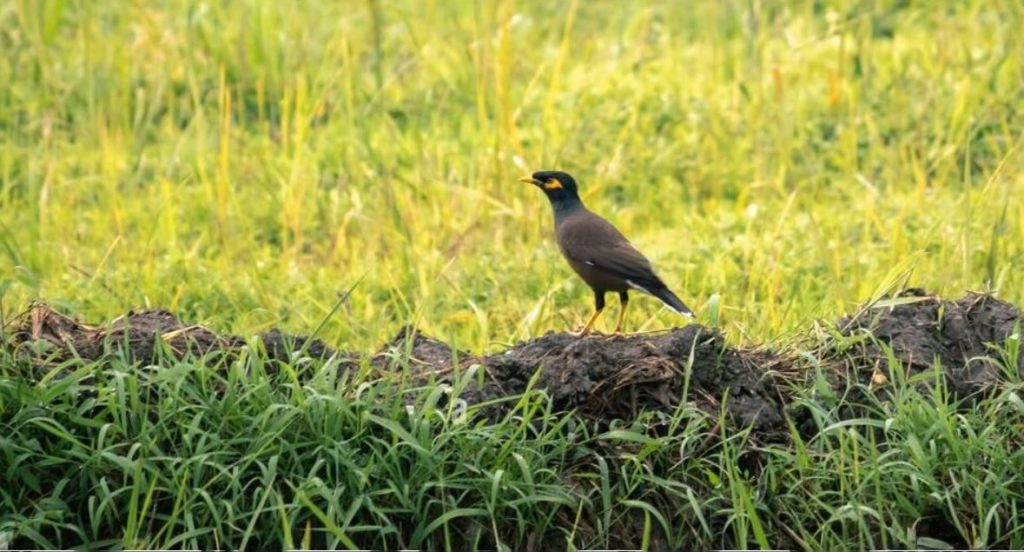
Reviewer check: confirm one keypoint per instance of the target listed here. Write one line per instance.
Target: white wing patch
(589, 263)
(633, 285)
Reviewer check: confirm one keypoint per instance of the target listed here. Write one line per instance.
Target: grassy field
(243, 163)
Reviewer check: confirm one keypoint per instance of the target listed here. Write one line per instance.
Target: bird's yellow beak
(530, 180)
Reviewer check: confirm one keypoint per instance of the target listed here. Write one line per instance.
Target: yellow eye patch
(552, 184)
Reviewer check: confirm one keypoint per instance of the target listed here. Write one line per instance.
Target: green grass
(186, 454)
(242, 163)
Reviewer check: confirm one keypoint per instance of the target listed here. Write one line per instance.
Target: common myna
(597, 251)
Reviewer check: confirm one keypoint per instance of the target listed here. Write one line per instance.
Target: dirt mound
(973, 339)
(602, 377)
(618, 377)
(621, 376)
(141, 336)
(615, 377)
(426, 356)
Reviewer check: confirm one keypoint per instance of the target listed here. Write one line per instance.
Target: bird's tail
(672, 302)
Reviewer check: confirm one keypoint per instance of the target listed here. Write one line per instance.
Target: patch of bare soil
(618, 377)
(971, 339)
(613, 377)
(49, 336)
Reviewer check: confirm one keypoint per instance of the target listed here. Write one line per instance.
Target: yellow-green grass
(242, 163)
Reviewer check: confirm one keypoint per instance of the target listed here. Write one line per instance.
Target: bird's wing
(594, 241)
(624, 261)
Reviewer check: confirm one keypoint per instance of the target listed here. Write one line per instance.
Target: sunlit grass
(241, 163)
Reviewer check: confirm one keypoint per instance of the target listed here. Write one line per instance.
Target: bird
(598, 252)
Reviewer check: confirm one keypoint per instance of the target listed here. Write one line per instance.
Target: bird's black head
(557, 185)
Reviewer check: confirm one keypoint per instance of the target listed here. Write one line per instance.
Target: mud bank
(615, 377)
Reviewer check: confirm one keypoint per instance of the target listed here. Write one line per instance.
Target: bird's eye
(552, 184)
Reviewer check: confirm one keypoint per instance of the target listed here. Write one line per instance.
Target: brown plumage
(597, 251)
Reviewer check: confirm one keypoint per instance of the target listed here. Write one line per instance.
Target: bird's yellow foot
(590, 323)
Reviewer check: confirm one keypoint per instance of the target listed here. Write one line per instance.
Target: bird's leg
(623, 302)
(598, 307)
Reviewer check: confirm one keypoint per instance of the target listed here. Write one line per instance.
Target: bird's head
(557, 185)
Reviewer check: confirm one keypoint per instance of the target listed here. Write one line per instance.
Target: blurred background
(243, 163)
